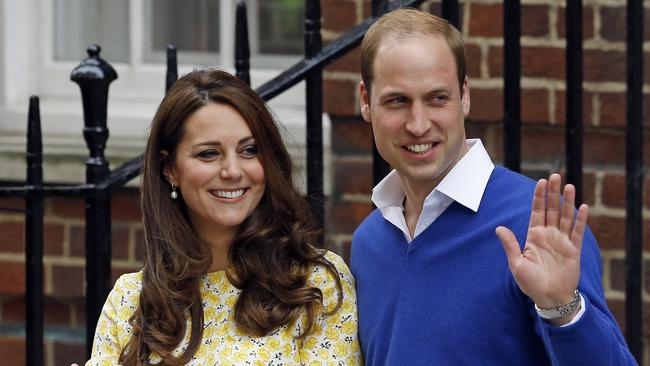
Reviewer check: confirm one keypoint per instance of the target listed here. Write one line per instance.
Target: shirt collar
(465, 182)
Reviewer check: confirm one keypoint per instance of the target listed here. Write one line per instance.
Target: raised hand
(548, 269)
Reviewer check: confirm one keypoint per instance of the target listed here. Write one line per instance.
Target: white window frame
(28, 67)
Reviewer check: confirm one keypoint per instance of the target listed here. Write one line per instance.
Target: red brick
(617, 307)
(612, 109)
(13, 309)
(67, 207)
(125, 205)
(53, 239)
(609, 231)
(535, 20)
(12, 203)
(347, 63)
(543, 62)
(613, 23)
(588, 188)
(77, 241)
(351, 136)
(80, 313)
(120, 242)
(617, 274)
(367, 9)
(347, 248)
(352, 175)
(560, 107)
(339, 15)
(485, 104)
(486, 20)
(339, 97)
(67, 281)
(346, 216)
(613, 193)
(587, 22)
(473, 60)
(646, 191)
(12, 278)
(495, 61)
(534, 105)
(12, 239)
(12, 350)
(67, 353)
(139, 245)
(604, 65)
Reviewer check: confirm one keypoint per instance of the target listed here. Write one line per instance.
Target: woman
(232, 274)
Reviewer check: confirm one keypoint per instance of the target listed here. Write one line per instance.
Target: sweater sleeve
(113, 329)
(595, 339)
(334, 336)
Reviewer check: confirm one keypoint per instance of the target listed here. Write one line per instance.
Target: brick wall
(64, 258)
(543, 113)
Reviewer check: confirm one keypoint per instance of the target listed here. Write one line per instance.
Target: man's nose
(418, 123)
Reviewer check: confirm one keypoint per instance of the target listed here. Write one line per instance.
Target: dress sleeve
(333, 340)
(113, 329)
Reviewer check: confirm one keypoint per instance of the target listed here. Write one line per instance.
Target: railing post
(379, 166)
(314, 104)
(451, 12)
(512, 84)
(634, 181)
(574, 95)
(34, 237)
(94, 76)
(242, 48)
(172, 67)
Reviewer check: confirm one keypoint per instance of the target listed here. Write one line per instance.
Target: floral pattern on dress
(332, 342)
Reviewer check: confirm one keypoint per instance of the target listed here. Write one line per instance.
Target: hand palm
(548, 269)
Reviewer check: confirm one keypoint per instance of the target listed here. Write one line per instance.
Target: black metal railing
(94, 76)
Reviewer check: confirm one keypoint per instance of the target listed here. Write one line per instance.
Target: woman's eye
(250, 150)
(208, 154)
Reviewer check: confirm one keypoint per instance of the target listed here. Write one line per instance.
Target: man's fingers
(568, 210)
(553, 200)
(579, 226)
(538, 211)
(510, 246)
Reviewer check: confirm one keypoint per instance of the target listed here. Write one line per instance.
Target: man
(436, 284)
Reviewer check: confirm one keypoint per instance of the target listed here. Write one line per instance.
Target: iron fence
(94, 76)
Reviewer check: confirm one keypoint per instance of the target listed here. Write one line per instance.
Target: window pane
(281, 26)
(192, 25)
(78, 23)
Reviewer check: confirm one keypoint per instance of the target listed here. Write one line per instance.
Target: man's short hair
(406, 22)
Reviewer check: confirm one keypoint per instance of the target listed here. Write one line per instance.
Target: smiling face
(217, 170)
(416, 109)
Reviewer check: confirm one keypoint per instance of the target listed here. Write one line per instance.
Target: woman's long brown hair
(270, 256)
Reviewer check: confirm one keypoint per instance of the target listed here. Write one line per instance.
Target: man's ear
(364, 102)
(168, 169)
(465, 101)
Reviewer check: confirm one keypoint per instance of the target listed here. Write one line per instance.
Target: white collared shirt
(465, 184)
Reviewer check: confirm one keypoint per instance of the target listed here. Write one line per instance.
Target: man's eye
(397, 100)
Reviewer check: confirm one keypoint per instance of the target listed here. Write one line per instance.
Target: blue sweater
(448, 297)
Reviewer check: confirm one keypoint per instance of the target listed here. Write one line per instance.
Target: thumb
(510, 245)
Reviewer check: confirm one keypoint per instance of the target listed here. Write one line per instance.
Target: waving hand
(548, 269)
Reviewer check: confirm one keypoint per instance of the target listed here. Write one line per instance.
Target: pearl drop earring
(174, 194)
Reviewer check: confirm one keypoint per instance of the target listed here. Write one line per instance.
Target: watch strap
(560, 311)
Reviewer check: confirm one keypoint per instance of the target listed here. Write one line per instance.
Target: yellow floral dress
(333, 340)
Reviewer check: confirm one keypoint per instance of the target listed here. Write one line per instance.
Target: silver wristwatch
(560, 311)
